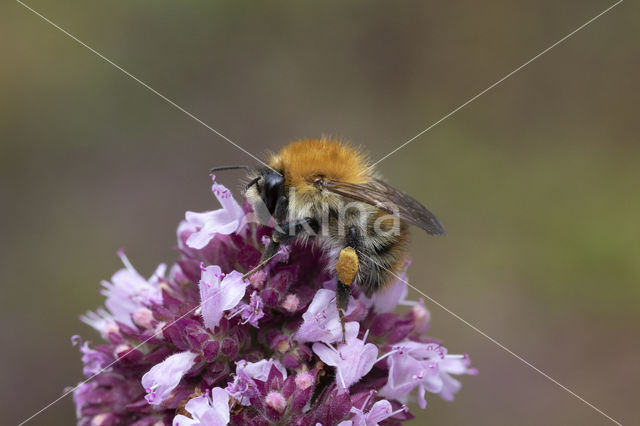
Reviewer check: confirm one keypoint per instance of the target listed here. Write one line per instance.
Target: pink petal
(233, 290)
(356, 360)
(181, 420)
(198, 219)
(165, 376)
(321, 300)
(220, 403)
(422, 402)
(198, 406)
(380, 411)
(326, 354)
(449, 387)
(199, 239)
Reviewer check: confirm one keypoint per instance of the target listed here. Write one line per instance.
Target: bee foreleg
(289, 230)
(283, 235)
(274, 245)
(270, 250)
(280, 211)
(346, 268)
(267, 254)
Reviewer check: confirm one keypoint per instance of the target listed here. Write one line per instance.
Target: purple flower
(380, 411)
(94, 360)
(321, 322)
(352, 359)
(206, 410)
(127, 292)
(222, 221)
(183, 347)
(453, 364)
(251, 312)
(164, 377)
(243, 387)
(102, 321)
(425, 366)
(219, 293)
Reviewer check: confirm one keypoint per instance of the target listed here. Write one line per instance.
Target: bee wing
(388, 199)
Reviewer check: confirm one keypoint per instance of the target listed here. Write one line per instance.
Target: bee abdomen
(382, 257)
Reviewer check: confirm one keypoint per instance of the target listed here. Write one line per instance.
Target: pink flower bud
(291, 303)
(143, 317)
(101, 419)
(276, 401)
(257, 280)
(283, 346)
(304, 380)
(421, 317)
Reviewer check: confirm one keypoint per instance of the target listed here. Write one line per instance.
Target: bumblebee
(324, 192)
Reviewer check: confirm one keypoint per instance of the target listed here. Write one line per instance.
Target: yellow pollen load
(347, 266)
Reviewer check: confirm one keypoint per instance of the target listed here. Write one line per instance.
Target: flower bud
(143, 317)
(291, 303)
(421, 317)
(304, 380)
(276, 401)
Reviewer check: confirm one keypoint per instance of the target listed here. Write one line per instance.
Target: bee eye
(273, 185)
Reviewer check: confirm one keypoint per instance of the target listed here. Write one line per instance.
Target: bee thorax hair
(377, 240)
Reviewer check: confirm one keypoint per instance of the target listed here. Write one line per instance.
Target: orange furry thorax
(304, 160)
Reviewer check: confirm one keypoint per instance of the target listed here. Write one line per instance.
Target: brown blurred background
(536, 181)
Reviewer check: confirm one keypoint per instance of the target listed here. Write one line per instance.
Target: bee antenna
(252, 182)
(215, 169)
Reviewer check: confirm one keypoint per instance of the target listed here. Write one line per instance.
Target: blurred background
(536, 181)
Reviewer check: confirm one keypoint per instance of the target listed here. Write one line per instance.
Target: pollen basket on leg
(347, 265)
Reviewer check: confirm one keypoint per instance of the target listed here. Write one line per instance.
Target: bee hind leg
(346, 268)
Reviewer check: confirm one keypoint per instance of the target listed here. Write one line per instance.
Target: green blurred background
(536, 181)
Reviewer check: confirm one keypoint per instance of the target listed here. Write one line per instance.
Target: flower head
(201, 345)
